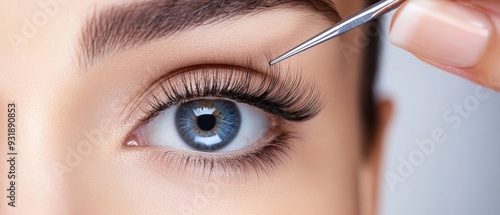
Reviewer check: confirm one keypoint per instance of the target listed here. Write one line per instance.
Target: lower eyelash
(262, 160)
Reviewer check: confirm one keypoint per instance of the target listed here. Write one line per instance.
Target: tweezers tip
(277, 60)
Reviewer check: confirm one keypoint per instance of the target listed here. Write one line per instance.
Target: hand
(461, 36)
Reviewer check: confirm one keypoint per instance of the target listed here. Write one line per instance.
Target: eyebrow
(120, 27)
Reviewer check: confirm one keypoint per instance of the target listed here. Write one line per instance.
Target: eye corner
(135, 138)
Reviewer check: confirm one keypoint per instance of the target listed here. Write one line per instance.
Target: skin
(485, 70)
(62, 104)
(59, 105)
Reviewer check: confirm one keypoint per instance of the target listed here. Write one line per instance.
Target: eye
(222, 118)
(207, 125)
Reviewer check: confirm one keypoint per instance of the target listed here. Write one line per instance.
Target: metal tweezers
(366, 15)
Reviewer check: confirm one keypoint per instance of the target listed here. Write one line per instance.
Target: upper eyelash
(285, 95)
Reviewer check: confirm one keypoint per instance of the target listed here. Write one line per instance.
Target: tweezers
(376, 10)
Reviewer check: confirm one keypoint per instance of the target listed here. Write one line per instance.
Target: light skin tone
(65, 105)
(470, 43)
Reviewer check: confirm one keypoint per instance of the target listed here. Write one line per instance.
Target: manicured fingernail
(442, 31)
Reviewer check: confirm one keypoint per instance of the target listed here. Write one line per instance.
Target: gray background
(462, 175)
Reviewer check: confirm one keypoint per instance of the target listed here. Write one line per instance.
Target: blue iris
(208, 125)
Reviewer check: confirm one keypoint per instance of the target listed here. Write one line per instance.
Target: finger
(461, 37)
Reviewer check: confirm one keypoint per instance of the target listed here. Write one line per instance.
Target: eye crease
(224, 117)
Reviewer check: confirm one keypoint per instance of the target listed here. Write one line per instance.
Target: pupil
(206, 122)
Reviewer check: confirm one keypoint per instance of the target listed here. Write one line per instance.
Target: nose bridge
(29, 107)
(31, 157)
(33, 72)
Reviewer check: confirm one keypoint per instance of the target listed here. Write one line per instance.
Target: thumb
(460, 37)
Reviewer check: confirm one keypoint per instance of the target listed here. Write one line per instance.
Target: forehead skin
(59, 105)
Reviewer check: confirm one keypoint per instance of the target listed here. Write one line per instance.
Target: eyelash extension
(261, 160)
(281, 93)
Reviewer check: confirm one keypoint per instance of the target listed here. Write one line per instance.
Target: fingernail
(442, 31)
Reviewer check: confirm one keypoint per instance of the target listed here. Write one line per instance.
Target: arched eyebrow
(119, 27)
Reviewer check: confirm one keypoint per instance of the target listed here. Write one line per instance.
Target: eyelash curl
(283, 94)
